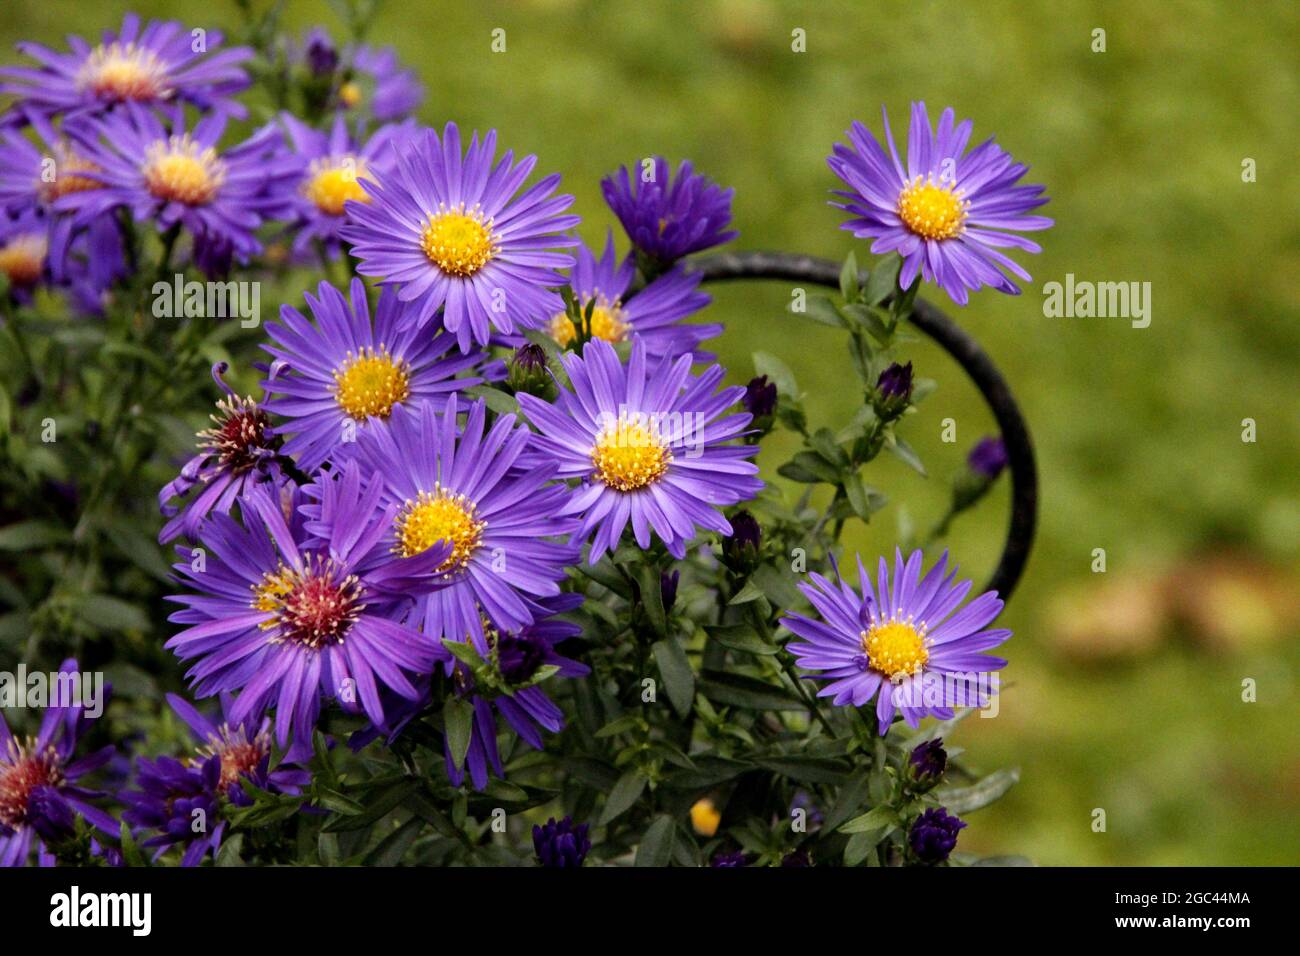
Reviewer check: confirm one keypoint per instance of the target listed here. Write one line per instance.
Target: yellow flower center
(606, 323)
(371, 383)
(436, 516)
(932, 211)
(350, 94)
(68, 167)
(332, 182)
(124, 72)
(23, 258)
(895, 648)
(179, 170)
(458, 242)
(629, 456)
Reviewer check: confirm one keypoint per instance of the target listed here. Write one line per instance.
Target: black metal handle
(967, 353)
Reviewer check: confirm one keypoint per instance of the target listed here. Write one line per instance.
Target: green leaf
(229, 854)
(905, 454)
(742, 638)
(979, 794)
(821, 309)
(458, 720)
(679, 678)
(31, 536)
(625, 793)
(750, 592)
(749, 693)
(1004, 861)
(619, 725)
(656, 847)
(877, 818)
(778, 373)
(806, 769)
(883, 281)
(851, 796)
(107, 613)
(394, 846)
(652, 598)
(823, 442)
(849, 277)
(860, 846)
(131, 854)
(377, 806)
(497, 400)
(778, 585)
(339, 803)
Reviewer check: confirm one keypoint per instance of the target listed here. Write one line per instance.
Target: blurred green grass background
(1126, 686)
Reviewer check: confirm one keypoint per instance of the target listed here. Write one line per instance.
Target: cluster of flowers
(369, 535)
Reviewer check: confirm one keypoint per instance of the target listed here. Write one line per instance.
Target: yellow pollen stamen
(22, 258)
(124, 72)
(179, 170)
(371, 383)
(436, 516)
(458, 242)
(896, 648)
(629, 456)
(606, 323)
(350, 95)
(332, 182)
(932, 211)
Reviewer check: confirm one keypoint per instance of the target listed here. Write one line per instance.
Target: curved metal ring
(967, 353)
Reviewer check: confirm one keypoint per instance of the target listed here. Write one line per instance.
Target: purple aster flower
(163, 174)
(39, 796)
(904, 641)
(926, 764)
(648, 445)
(340, 376)
(162, 64)
(449, 232)
(378, 85)
(238, 451)
(934, 834)
(337, 162)
(288, 614)
(509, 682)
(988, 457)
(172, 790)
(95, 261)
(561, 844)
(653, 315)
(472, 490)
(945, 213)
(668, 218)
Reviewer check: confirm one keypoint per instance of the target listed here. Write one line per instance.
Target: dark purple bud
(760, 397)
(561, 844)
(796, 858)
(926, 764)
(988, 457)
(668, 588)
(527, 371)
(896, 382)
(933, 835)
(740, 552)
(322, 58)
(519, 657)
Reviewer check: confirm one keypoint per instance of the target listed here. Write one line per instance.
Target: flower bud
(760, 401)
(892, 392)
(742, 550)
(925, 765)
(561, 845)
(933, 835)
(527, 371)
